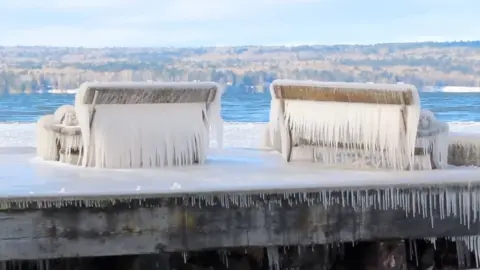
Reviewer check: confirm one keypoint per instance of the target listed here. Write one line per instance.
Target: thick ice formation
(56, 136)
(464, 149)
(380, 134)
(72, 145)
(273, 258)
(275, 125)
(147, 135)
(46, 139)
(64, 114)
(373, 126)
(214, 118)
(70, 140)
(432, 136)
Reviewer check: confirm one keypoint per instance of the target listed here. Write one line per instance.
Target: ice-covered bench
(133, 125)
(376, 124)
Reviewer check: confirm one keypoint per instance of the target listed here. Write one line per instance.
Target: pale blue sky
(98, 23)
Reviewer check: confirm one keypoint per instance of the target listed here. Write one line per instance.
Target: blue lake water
(237, 106)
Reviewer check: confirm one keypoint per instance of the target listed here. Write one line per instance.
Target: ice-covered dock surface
(50, 210)
(235, 170)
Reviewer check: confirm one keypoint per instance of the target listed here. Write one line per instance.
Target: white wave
(59, 91)
(452, 89)
(460, 89)
(241, 135)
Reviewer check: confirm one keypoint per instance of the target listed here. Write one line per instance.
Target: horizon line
(294, 45)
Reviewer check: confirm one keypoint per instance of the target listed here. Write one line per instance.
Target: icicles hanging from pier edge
(462, 203)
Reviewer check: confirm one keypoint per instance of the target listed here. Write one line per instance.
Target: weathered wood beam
(178, 224)
(350, 95)
(147, 96)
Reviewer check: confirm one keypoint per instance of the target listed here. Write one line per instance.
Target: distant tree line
(27, 69)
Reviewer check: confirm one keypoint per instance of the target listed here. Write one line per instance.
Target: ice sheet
(229, 170)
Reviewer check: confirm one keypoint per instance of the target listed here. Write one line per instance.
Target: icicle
(354, 125)
(215, 120)
(224, 257)
(146, 135)
(425, 202)
(461, 253)
(273, 127)
(423, 162)
(73, 142)
(185, 257)
(471, 243)
(433, 241)
(415, 251)
(46, 139)
(273, 258)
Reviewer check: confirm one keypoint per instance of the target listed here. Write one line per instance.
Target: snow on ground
(238, 135)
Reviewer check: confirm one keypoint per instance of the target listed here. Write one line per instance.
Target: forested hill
(26, 69)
